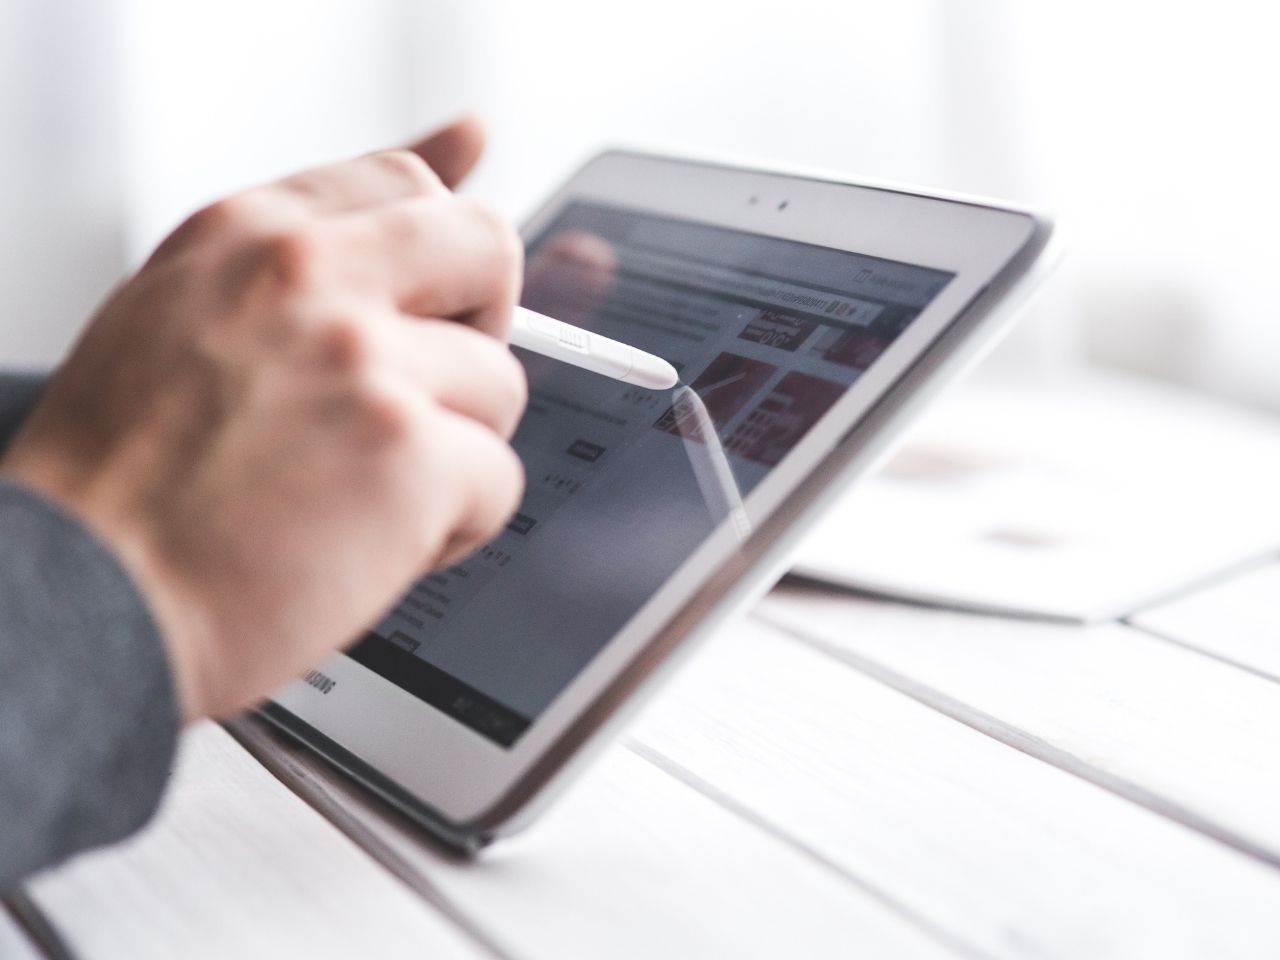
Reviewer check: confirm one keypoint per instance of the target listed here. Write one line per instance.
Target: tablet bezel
(468, 787)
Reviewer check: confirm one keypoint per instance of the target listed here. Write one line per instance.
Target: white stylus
(590, 351)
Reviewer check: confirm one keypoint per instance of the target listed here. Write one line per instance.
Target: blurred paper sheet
(1082, 502)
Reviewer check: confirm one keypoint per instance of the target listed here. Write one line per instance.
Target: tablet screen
(623, 483)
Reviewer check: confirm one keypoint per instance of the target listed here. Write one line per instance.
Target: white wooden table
(831, 776)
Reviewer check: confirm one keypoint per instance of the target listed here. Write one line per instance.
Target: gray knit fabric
(18, 394)
(88, 717)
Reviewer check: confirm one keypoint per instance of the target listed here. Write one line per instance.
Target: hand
(299, 405)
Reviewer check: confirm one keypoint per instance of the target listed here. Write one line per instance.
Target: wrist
(182, 625)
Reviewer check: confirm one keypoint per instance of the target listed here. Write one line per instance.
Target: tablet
(809, 319)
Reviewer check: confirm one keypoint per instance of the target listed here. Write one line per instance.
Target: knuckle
(240, 210)
(498, 364)
(504, 475)
(225, 216)
(499, 374)
(344, 345)
(292, 259)
(512, 481)
(492, 483)
(508, 250)
(385, 417)
(409, 168)
(512, 386)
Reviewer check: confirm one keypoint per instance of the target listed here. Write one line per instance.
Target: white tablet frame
(466, 787)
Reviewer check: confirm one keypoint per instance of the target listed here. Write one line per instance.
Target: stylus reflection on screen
(710, 464)
(619, 361)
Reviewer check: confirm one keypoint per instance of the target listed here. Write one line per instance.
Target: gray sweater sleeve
(18, 395)
(88, 717)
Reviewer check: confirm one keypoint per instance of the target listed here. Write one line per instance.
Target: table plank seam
(1030, 744)
(1208, 582)
(39, 930)
(1202, 583)
(275, 761)
(735, 808)
(1201, 651)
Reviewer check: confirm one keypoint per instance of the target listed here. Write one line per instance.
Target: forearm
(88, 719)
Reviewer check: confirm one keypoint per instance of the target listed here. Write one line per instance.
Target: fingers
(443, 257)
(489, 493)
(431, 167)
(372, 179)
(383, 227)
(427, 168)
(463, 370)
(444, 396)
(453, 151)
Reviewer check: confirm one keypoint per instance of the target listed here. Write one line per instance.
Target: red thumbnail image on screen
(778, 330)
(725, 387)
(783, 417)
(856, 348)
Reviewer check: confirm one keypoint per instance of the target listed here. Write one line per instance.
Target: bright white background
(1148, 128)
